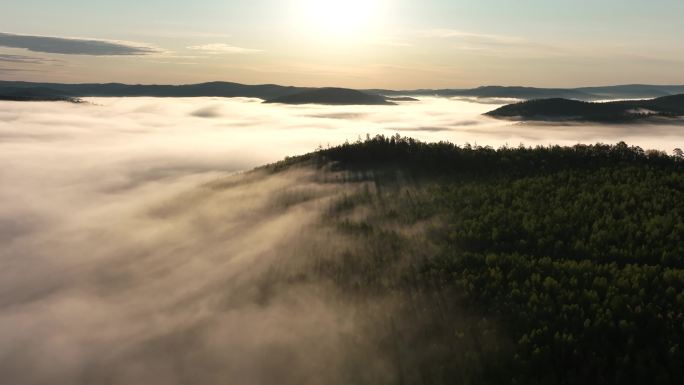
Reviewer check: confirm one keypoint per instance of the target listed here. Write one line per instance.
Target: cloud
(23, 59)
(446, 33)
(169, 270)
(341, 115)
(74, 46)
(208, 112)
(494, 45)
(219, 48)
(391, 43)
(13, 70)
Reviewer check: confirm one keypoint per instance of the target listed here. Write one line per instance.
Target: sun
(340, 18)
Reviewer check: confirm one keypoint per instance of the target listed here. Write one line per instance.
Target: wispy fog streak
(176, 288)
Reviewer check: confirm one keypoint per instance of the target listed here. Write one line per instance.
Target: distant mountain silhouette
(401, 99)
(30, 91)
(34, 94)
(332, 96)
(557, 109)
(633, 91)
(522, 93)
(215, 89)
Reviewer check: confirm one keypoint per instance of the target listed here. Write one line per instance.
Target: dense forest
(547, 265)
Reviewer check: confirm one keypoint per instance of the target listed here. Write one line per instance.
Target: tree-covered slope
(19, 94)
(575, 110)
(573, 257)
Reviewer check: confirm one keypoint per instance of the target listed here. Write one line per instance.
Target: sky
(398, 44)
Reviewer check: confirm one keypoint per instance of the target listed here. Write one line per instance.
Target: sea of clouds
(122, 262)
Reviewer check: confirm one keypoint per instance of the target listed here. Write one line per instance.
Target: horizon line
(368, 88)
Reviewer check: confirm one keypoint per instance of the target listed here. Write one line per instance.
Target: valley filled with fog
(64, 156)
(127, 142)
(133, 253)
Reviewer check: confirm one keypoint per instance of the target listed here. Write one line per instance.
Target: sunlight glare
(340, 18)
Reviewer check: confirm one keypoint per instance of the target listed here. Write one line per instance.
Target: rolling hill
(557, 109)
(212, 89)
(332, 96)
(567, 260)
(36, 94)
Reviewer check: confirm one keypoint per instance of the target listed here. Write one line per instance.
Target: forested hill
(42, 94)
(447, 160)
(332, 96)
(574, 254)
(608, 112)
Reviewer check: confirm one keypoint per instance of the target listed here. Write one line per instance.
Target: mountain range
(15, 90)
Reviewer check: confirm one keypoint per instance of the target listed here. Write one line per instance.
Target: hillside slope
(42, 94)
(211, 89)
(332, 96)
(573, 257)
(575, 110)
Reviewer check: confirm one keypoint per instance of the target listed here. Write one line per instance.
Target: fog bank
(131, 254)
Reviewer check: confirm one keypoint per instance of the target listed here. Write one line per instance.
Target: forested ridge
(573, 257)
(620, 111)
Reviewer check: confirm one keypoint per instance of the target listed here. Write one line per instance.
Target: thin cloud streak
(445, 33)
(74, 46)
(389, 42)
(23, 59)
(219, 48)
(493, 45)
(13, 70)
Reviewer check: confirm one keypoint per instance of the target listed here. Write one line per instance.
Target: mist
(137, 250)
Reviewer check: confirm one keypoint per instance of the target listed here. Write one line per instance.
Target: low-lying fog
(115, 267)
